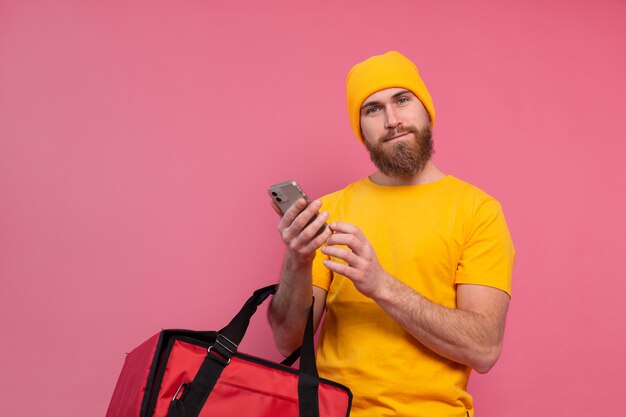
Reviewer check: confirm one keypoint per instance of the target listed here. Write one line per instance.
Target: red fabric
(245, 388)
(131, 384)
(182, 365)
(259, 391)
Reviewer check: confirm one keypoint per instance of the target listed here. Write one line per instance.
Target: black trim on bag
(150, 381)
(244, 356)
(206, 339)
(156, 386)
(249, 358)
(161, 357)
(159, 377)
(274, 365)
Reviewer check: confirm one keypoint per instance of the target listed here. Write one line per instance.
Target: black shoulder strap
(308, 379)
(196, 393)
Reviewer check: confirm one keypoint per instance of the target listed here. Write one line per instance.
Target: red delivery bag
(184, 373)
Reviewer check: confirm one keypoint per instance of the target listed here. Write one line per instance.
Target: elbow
(284, 345)
(483, 367)
(486, 359)
(284, 340)
(285, 351)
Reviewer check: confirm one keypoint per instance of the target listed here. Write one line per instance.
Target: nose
(391, 118)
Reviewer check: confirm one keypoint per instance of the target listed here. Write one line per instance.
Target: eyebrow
(377, 103)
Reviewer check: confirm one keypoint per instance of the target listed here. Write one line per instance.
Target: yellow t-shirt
(431, 237)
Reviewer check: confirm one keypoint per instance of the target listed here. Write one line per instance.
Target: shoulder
(467, 188)
(472, 196)
(476, 209)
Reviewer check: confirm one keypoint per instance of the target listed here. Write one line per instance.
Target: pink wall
(137, 140)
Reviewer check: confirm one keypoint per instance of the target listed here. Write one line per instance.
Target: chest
(419, 241)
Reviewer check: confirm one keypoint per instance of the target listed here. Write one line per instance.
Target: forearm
(468, 337)
(290, 305)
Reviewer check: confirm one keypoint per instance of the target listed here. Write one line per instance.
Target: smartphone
(286, 194)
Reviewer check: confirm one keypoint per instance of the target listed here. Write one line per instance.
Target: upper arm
(490, 303)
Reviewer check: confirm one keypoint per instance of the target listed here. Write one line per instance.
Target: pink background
(137, 140)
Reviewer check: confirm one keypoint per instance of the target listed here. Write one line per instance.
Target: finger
(314, 244)
(302, 219)
(346, 239)
(344, 254)
(291, 214)
(316, 225)
(310, 231)
(341, 227)
(339, 268)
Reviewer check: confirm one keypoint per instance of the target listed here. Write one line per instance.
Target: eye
(403, 99)
(371, 110)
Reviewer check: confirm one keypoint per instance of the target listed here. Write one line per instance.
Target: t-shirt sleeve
(488, 254)
(322, 276)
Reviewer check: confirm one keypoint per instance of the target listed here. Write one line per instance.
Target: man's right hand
(298, 238)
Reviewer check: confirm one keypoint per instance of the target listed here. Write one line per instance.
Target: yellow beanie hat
(381, 72)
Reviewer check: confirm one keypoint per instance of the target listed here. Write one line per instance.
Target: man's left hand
(361, 263)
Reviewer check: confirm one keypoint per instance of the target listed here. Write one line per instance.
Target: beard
(405, 158)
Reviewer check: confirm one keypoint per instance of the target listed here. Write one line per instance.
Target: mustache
(398, 131)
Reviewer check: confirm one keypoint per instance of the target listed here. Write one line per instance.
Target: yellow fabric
(432, 237)
(381, 72)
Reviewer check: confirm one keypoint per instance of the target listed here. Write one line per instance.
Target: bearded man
(414, 270)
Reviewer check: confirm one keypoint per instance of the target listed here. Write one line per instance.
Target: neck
(430, 173)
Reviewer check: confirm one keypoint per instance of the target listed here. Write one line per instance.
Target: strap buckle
(226, 343)
(222, 359)
(223, 349)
